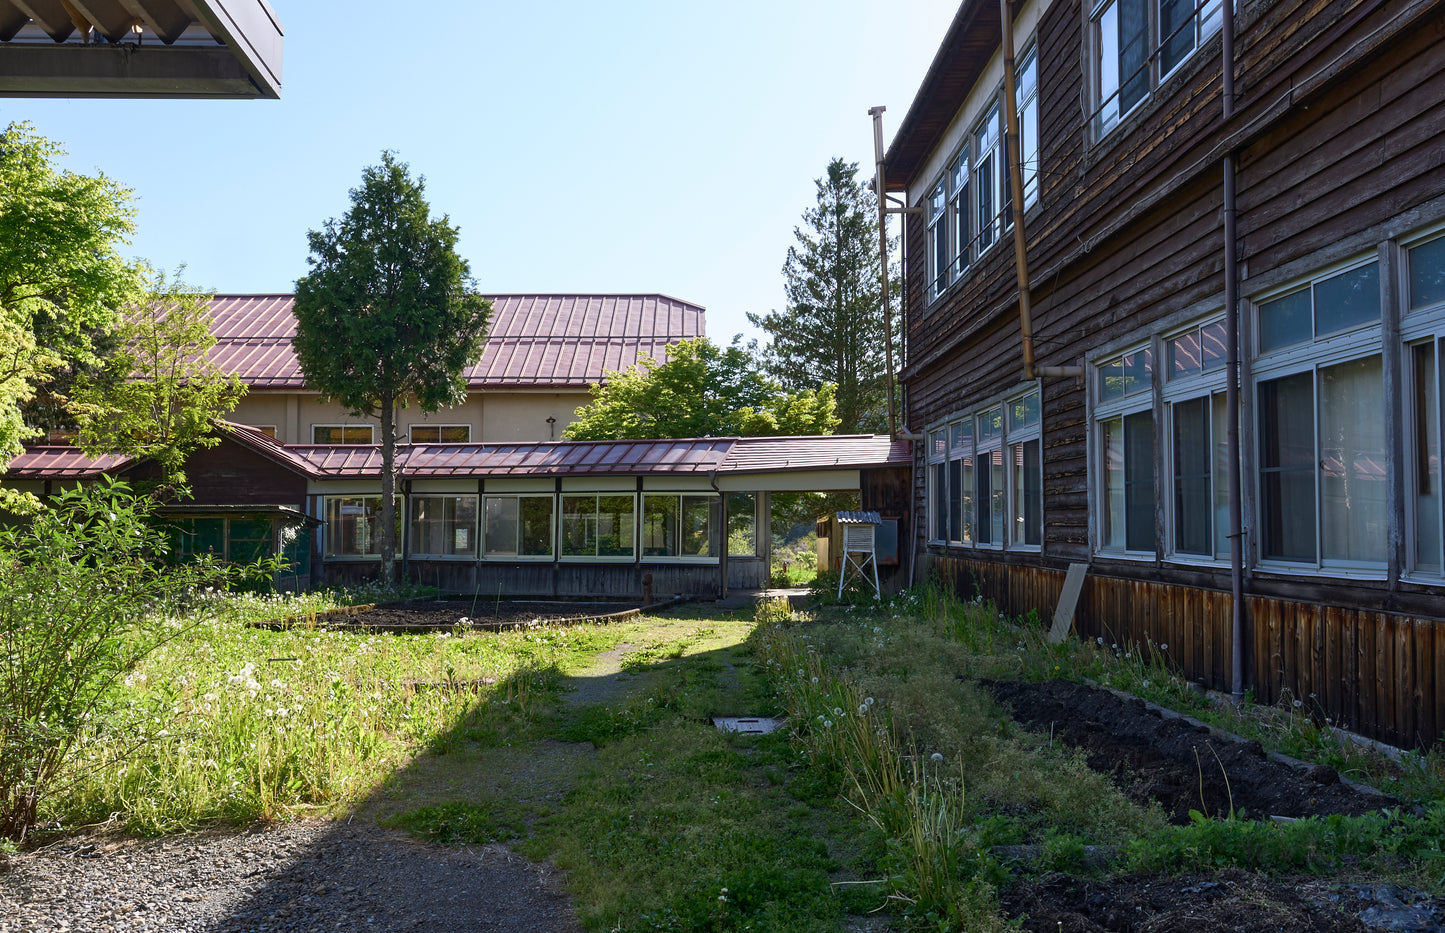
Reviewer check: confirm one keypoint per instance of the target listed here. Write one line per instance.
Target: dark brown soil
(1185, 766)
(484, 613)
(1179, 763)
(1230, 902)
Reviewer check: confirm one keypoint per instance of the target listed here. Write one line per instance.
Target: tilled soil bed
(1180, 764)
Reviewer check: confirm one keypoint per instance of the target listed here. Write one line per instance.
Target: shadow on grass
(614, 774)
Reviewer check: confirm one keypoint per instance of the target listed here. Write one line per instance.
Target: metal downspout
(1231, 396)
(1016, 183)
(877, 114)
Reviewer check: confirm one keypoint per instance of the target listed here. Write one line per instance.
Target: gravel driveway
(309, 875)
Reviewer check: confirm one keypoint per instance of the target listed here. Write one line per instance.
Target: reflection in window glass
(1287, 467)
(1285, 321)
(597, 526)
(353, 525)
(1427, 273)
(1352, 461)
(1425, 405)
(444, 525)
(1347, 300)
(742, 524)
(676, 526)
(518, 526)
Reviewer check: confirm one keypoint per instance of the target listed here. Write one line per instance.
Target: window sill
(517, 558)
(1321, 573)
(1419, 579)
(431, 557)
(1135, 556)
(678, 559)
(597, 558)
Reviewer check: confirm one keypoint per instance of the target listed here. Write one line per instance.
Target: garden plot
(488, 614)
(1181, 765)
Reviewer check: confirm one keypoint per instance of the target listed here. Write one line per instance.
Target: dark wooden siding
(232, 474)
(1381, 674)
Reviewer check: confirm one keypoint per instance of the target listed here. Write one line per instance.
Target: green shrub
(84, 597)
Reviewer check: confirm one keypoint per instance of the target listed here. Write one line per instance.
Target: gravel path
(309, 875)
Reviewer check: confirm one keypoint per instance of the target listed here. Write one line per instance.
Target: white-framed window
(1423, 331)
(1124, 436)
(444, 525)
(1027, 92)
(985, 476)
(990, 178)
(989, 486)
(1026, 471)
(353, 525)
(1321, 416)
(678, 525)
(1197, 446)
(938, 485)
(1138, 43)
(958, 213)
(342, 434)
(938, 250)
(599, 525)
(441, 433)
(518, 527)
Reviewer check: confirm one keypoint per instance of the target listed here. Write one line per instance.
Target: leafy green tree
(84, 596)
(62, 280)
(159, 395)
(388, 315)
(701, 390)
(832, 329)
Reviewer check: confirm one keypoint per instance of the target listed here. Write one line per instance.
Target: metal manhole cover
(754, 725)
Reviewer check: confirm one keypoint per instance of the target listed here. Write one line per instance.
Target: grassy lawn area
(894, 784)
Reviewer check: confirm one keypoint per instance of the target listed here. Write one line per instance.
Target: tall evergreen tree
(388, 315)
(832, 328)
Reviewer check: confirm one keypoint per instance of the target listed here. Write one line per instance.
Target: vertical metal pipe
(1231, 392)
(877, 114)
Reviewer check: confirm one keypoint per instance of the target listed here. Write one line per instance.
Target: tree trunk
(388, 489)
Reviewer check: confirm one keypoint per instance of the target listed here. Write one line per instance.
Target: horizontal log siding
(1376, 673)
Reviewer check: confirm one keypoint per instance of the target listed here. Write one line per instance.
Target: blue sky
(580, 147)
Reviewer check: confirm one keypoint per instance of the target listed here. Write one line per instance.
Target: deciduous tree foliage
(701, 390)
(388, 315)
(159, 395)
(832, 329)
(62, 280)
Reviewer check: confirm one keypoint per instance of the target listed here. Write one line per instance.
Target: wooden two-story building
(1275, 249)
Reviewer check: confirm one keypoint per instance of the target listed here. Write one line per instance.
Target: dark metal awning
(139, 48)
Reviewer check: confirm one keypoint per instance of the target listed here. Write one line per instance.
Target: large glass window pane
(536, 512)
(938, 239)
(955, 500)
(742, 524)
(1193, 508)
(986, 144)
(1028, 493)
(444, 525)
(1213, 349)
(1133, 53)
(939, 498)
(579, 526)
(695, 526)
(615, 526)
(1353, 460)
(1028, 98)
(1139, 480)
(352, 525)
(1347, 300)
(1285, 321)
(1112, 535)
(659, 526)
(1176, 33)
(502, 516)
(1425, 398)
(1427, 273)
(1107, 30)
(958, 214)
(1185, 356)
(989, 500)
(1221, 476)
(966, 486)
(1287, 468)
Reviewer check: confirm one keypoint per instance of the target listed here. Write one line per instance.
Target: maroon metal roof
(545, 341)
(834, 452)
(61, 462)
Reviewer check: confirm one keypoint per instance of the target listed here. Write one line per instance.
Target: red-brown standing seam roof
(542, 341)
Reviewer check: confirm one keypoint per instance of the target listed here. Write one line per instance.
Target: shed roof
(722, 455)
(533, 341)
(127, 48)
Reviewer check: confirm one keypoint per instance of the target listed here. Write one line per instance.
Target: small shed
(860, 554)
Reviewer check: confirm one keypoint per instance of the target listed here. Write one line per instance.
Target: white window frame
(631, 530)
(989, 444)
(469, 553)
(1023, 426)
(370, 432)
(327, 528)
(1027, 86)
(989, 177)
(484, 554)
(937, 472)
(958, 212)
(1423, 323)
(714, 501)
(1351, 344)
(1105, 56)
(938, 251)
(1121, 407)
(1208, 383)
